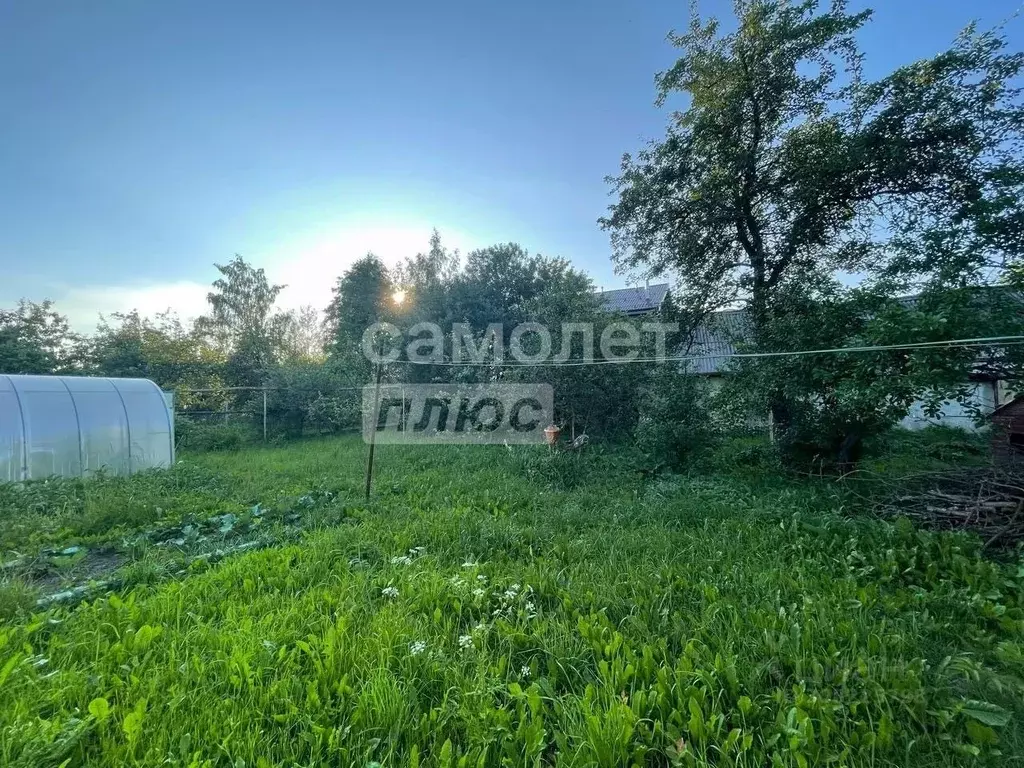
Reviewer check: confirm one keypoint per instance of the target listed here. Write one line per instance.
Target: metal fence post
(264, 414)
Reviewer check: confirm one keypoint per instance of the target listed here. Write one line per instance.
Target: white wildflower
(465, 641)
(470, 564)
(457, 582)
(481, 577)
(401, 560)
(481, 627)
(525, 671)
(417, 551)
(530, 607)
(478, 592)
(389, 591)
(417, 647)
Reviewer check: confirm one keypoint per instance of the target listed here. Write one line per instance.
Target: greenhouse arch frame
(71, 426)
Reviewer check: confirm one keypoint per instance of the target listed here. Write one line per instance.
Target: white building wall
(954, 414)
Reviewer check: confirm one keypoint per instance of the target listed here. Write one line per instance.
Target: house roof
(1007, 407)
(635, 301)
(715, 337)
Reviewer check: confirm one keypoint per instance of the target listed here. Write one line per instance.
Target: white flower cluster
(389, 591)
(514, 597)
(407, 558)
(466, 641)
(417, 647)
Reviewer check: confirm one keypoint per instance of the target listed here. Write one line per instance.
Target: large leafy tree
(786, 167)
(786, 164)
(302, 334)
(165, 350)
(242, 321)
(361, 298)
(35, 338)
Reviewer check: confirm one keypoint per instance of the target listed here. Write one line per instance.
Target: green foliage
(164, 350)
(788, 167)
(17, 598)
(483, 616)
(558, 469)
(675, 421)
(242, 322)
(826, 406)
(752, 456)
(360, 299)
(35, 338)
(198, 435)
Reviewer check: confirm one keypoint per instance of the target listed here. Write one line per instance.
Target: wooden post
(373, 426)
(264, 414)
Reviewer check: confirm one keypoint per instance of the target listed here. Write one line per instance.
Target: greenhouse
(70, 426)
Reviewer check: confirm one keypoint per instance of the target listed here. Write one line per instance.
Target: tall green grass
(503, 607)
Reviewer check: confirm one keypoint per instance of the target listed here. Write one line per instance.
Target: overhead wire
(961, 343)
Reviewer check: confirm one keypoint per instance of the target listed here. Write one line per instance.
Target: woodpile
(986, 500)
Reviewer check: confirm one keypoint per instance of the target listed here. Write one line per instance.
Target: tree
(496, 285)
(598, 399)
(164, 350)
(361, 297)
(36, 339)
(787, 167)
(302, 335)
(242, 321)
(786, 164)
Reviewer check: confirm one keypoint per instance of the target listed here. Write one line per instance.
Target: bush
(675, 420)
(743, 454)
(201, 436)
(334, 414)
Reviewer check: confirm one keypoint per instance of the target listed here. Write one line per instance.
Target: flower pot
(551, 434)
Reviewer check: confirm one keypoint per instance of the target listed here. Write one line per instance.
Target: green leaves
(985, 712)
(133, 722)
(100, 709)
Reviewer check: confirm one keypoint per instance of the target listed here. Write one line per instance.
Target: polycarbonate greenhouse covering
(69, 426)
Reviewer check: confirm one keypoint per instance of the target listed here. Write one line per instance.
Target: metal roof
(635, 301)
(716, 336)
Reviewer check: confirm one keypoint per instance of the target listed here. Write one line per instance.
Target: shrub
(334, 413)
(743, 454)
(201, 436)
(675, 421)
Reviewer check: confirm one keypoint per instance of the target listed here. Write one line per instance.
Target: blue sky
(142, 141)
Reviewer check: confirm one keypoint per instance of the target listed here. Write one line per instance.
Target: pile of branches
(986, 500)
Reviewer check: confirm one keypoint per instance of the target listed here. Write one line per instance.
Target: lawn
(493, 607)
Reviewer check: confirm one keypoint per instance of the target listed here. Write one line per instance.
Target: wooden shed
(1008, 432)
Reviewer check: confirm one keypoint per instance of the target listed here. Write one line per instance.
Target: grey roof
(635, 301)
(718, 335)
